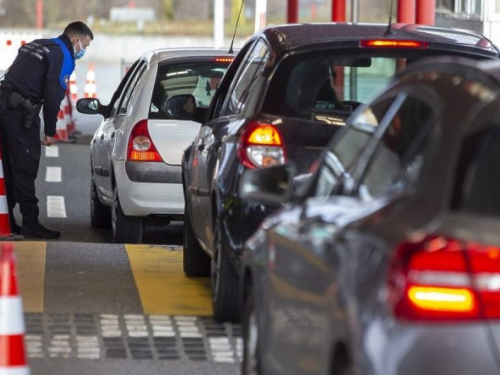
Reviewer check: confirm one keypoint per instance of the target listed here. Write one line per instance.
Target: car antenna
(389, 31)
(235, 27)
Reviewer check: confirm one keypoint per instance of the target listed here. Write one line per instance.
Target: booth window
(469, 7)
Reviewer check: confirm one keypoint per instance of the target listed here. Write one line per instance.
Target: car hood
(172, 137)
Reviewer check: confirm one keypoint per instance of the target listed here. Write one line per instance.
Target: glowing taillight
(391, 43)
(261, 145)
(442, 299)
(223, 59)
(140, 145)
(440, 278)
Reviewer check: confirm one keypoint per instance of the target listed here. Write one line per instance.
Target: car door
(305, 264)
(196, 168)
(299, 274)
(99, 148)
(122, 118)
(209, 142)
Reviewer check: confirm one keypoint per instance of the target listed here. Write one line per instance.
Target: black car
(288, 91)
(388, 261)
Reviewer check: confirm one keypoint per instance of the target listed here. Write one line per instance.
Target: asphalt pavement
(95, 307)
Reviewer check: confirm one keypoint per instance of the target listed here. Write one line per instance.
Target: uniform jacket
(41, 72)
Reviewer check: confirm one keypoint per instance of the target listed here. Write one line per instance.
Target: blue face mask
(80, 54)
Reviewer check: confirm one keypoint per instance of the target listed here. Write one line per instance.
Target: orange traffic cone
(90, 86)
(73, 88)
(61, 126)
(68, 115)
(12, 346)
(5, 230)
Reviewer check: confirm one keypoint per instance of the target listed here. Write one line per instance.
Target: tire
(341, 363)
(100, 215)
(251, 364)
(195, 261)
(225, 283)
(126, 229)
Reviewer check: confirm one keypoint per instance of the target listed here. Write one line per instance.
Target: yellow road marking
(30, 273)
(163, 287)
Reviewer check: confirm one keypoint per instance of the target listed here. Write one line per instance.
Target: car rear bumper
(419, 348)
(153, 172)
(148, 198)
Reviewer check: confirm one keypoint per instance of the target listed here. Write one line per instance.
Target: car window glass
(326, 86)
(113, 104)
(400, 150)
(130, 88)
(478, 174)
(345, 149)
(199, 79)
(246, 79)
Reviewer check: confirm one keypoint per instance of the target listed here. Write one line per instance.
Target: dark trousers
(21, 150)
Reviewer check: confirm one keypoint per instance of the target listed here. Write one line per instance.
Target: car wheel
(196, 262)
(100, 215)
(251, 345)
(224, 283)
(126, 229)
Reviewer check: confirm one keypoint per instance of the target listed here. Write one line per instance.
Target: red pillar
(39, 14)
(406, 11)
(426, 10)
(338, 10)
(293, 11)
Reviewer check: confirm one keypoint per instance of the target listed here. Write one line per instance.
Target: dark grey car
(388, 261)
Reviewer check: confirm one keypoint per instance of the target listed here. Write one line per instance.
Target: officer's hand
(48, 141)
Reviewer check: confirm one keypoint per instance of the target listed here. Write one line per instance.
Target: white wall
(107, 48)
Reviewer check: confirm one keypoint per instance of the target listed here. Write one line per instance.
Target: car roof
(166, 53)
(297, 36)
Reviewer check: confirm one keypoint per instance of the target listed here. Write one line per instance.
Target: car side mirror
(181, 107)
(269, 186)
(90, 106)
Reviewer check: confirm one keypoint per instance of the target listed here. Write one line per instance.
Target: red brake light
(140, 145)
(391, 43)
(261, 145)
(445, 279)
(223, 59)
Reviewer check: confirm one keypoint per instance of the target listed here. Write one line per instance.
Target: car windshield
(328, 86)
(199, 79)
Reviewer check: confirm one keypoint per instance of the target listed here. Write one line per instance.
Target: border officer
(38, 77)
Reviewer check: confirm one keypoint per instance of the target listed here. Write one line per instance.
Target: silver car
(153, 116)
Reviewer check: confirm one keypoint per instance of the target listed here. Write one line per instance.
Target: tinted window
(327, 87)
(130, 88)
(113, 104)
(478, 177)
(247, 79)
(199, 79)
(400, 149)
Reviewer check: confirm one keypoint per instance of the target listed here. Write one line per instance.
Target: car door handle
(201, 147)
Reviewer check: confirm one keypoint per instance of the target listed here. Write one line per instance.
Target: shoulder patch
(66, 79)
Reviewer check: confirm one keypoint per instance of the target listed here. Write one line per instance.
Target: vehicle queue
(326, 188)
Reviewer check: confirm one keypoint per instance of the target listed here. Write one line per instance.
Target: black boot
(33, 229)
(14, 228)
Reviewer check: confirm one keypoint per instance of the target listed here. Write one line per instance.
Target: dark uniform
(38, 76)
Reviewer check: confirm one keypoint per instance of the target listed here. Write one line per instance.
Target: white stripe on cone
(4, 208)
(11, 316)
(1, 169)
(15, 370)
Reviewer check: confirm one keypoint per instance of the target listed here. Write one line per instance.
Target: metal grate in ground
(141, 337)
